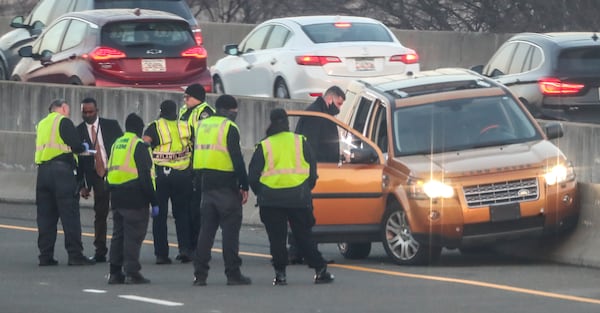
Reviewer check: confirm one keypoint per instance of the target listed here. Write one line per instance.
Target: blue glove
(86, 146)
(154, 210)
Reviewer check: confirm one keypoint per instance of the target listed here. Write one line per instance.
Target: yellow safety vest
(285, 166)
(121, 164)
(174, 147)
(48, 142)
(196, 111)
(210, 149)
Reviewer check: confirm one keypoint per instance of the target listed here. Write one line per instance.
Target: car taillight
(316, 60)
(195, 52)
(198, 36)
(106, 53)
(409, 58)
(554, 86)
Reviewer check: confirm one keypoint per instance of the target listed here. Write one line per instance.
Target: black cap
(226, 102)
(168, 107)
(134, 124)
(278, 115)
(196, 91)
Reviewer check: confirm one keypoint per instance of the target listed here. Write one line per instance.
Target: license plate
(154, 65)
(505, 212)
(363, 65)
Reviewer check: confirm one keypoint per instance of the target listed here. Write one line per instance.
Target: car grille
(501, 192)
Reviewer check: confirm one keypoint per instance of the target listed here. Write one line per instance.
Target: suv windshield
(581, 60)
(340, 32)
(460, 124)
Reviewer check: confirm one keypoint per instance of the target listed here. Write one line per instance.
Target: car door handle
(249, 66)
(273, 61)
(73, 56)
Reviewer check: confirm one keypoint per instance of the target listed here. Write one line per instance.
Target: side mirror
(46, 57)
(477, 69)
(553, 130)
(26, 51)
(231, 49)
(18, 22)
(36, 28)
(363, 155)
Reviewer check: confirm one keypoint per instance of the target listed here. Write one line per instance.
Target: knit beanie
(168, 110)
(134, 124)
(278, 115)
(226, 102)
(196, 91)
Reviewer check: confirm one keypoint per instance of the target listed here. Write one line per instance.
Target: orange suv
(444, 158)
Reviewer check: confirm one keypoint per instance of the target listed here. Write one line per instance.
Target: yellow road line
(394, 273)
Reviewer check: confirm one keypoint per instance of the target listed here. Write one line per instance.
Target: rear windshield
(581, 60)
(177, 7)
(161, 33)
(341, 32)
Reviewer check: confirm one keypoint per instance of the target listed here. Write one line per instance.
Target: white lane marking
(151, 300)
(94, 290)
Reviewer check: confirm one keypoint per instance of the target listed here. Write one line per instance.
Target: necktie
(99, 164)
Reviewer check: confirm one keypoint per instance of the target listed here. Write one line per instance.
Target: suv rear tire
(354, 250)
(399, 242)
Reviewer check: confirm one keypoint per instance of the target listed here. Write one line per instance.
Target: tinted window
(581, 60)
(278, 37)
(498, 65)
(536, 58)
(75, 34)
(362, 113)
(177, 7)
(339, 32)
(460, 124)
(519, 58)
(123, 35)
(256, 39)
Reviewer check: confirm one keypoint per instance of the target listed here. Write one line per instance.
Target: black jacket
(110, 130)
(321, 134)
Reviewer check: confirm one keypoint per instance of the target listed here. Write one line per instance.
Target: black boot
(116, 275)
(136, 278)
(322, 276)
(280, 278)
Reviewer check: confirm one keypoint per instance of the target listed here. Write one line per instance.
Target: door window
(517, 64)
(53, 37)
(75, 34)
(256, 40)
(498, 65)
(278, 37)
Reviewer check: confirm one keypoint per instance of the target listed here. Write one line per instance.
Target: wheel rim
(218, 86)
(399, 237)
(342, 246)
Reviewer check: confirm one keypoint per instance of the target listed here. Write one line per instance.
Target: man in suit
(100, 134)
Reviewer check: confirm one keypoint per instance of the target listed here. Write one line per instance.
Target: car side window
(53, 37)
(362, 114)
(75, 34)
(256, 40)
(517, 64)
(378, 127)
(42, 12)
(498, 65)
(278, 37)
(534, 59)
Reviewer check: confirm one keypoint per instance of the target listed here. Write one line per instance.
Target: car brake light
(342, 25)
(195, 52)
(316, 60)
(106, 53)
(554, 86)
(409, 58)
(198, 36)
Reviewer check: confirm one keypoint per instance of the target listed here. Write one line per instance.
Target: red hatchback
(116, 48)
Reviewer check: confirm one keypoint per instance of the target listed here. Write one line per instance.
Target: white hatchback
(300, 57)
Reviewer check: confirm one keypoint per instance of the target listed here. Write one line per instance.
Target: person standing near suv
(101, 133)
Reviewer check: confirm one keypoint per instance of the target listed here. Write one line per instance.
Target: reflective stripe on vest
(122, 167)
(194, 117)
(210, 150)
(49, 144)
(174, 147)
(285, 166)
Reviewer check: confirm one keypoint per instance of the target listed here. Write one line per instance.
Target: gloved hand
(154, 210)
(86, 146)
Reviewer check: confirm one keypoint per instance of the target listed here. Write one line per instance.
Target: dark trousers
(101, 208)
(176, 187)
(300, 221)
(129, 231)
(219, 208)
(195, 200)
(57, 196)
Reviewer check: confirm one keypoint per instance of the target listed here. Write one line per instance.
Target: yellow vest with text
(210, 148)
(174, 147)
(285, 166)
(48, 142)
(196, 111)
(121, 164)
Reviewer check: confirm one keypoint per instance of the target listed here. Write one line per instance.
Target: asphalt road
(477, 283)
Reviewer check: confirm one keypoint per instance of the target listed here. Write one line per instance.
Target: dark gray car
(26, 29)
(556, 75)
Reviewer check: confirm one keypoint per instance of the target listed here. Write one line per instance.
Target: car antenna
(595, 37)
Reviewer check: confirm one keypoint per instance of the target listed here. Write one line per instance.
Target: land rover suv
(442, 158)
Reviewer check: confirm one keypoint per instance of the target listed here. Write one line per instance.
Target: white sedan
(300, 57)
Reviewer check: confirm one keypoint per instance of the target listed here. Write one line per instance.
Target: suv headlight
(432, 189)
(559, 174)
